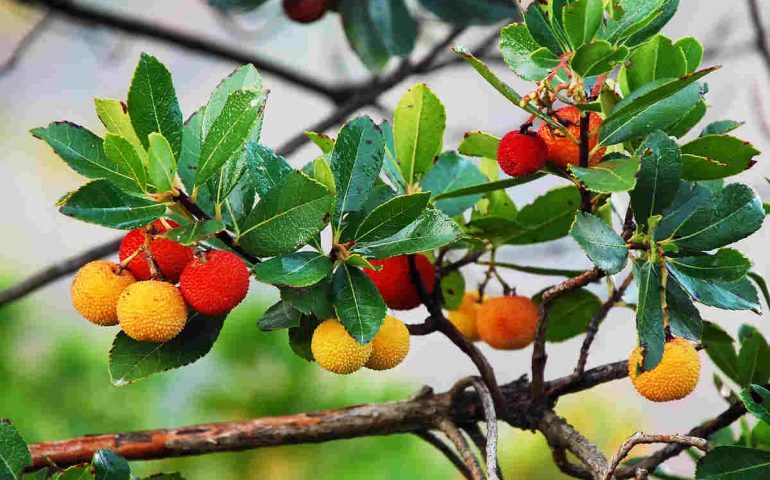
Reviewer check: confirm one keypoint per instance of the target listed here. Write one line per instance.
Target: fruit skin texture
(336, 351)
(390, 346)
(170, 256)
(215, 283)
(561, 150)
(152, 311)
(305, 11)
(521, 154)
(507, 323)
(464, 318)
(95, 291)
(394, 283)
(675, 377)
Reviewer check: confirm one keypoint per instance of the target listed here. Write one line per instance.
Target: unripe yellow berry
(152, 311)
(390, 346)
(96, 289)
(673, 378)
(464, 318)
(335, 350)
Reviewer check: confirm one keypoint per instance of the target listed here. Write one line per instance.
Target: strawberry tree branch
(489, 417)
(461, 444)
(560, 434)
(640, 438)
(477, 436)
(761, 40)
(450, 454)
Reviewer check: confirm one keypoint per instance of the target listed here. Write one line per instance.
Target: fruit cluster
(141, 293)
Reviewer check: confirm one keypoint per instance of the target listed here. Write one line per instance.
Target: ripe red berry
(305, 11)
(170, 256)
(521, 154)
(215, 283)
(394, 283)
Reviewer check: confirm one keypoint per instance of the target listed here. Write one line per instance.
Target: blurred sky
(68, 65)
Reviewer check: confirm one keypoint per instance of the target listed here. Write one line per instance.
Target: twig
(26, 41)
(447, 451)
(641, 438)
(559, 455)
(477, 436)
(56, 271)
(760, 33)
(641, 474)
(559, 433)
(489, 417)
(461, 444)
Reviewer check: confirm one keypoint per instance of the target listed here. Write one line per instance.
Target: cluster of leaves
(379, 30)
(16, 463)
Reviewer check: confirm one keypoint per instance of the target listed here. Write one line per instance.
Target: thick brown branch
(559, 455)
(560, 434)
(640, 438)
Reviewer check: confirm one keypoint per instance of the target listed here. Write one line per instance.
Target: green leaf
(516, 47)
(452, 172)
(453, 289)
(300, 337)
(78, 472)
(740, 295)
(730, 215)
(541, 29)
(684, 319)
(656, 59)
(14, 453)
(418, 127)
(760, 282)
(110, 466)
(152, 103)
(721, 127)
(321, 140)
(244, 78)
(230, 131)
(391, 217)
(287, 216)
(549, 217)
(322, 173)
(431, 230)
(570, 314)
(127, 159)
(606, 249)
(471, 12)
(103, 203)
(692, 50)
(649, 313)
(315, 299)
(166, 476)
(658, 179)
(733, 463)
(689, 120)
(752, 344)
(265, 167)
(114, 116)
(720, 348)
(280, 315)
(636, 15)
(688, 198)
(162, 167)
(358, 303)
(597, 57)
(131, 360)
(760, 436)
(356, 163)
(716, 156)
(613, 175)
(655, 106)
(487, 187)
(582, 19)
(390, 164)
(759, 408)
(394, 24)
(653, 24)
(363, 35)
(727, 265)
(187, 164)
(377, 196)
(195, 232)
(479, 144)
(298, 269)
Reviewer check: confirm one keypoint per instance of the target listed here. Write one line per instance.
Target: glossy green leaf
(688, 120)
(377, 196)
(541, 29)
(479, 144)
(162, 167)
(391, 217)
(321, 140)
(316, 299)
(716, 156)
(606, 249)
(655, 59)
(266, 168)
(78, 472)
(114, 116)
(195, 232)
(516, 46)
(363, 35)
(390, 165)
(570, 314)
(636, 15)
(394, 24)
(471, 12)
(453, 289)
(322, 173)
(301, 336)
(102, 203)
(152, 103)
(487, 187)
(649, 314)
(688, 198)
(14, 454)
(418, 127)
(110, 466)
(288, 216)
(692, 50)
(762, 284)
(721, 127)
(131, 360)
(727, 265)
(597, 57)
(452, 172)
(734, 463)
(720, 348)
(684, 319)
(298, 269)
(582, 19)
(659, 176)
(739, 295)
(614, 175)
(760, 408)
(244, 78)
(127, 160)
(279, 315)
(653, 24)
(358, 303)
(753, 346)
(549, 217)
(187, 164)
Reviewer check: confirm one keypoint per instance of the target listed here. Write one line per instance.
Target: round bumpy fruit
(336, 351)
(521, 154)
(675, 377)
(394, 283)
(464, 318)
(390, 346)
(305, 11)
(170, 256)
(96, 289)
(562, 151)
(215, 283)
(152, 311)
(507, 323)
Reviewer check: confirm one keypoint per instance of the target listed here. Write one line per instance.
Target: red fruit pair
(394, 283)
(305, 11)
(170, 256)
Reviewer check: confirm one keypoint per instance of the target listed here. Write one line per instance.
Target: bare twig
(559, 455)
(760, 33)
(450, 454)
(489, 416)
(461, 444)
(560, 434)
(479, 438)
(642, 438)
(26, 41)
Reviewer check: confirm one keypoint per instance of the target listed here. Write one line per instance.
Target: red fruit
(562, 151)
(305, 11)
(394, 283)
(170, 256)
(215, 283)
(521, 154)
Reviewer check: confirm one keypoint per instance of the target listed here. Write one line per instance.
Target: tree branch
(760, 33)
(641, 438)
(461, 444)
(560, 434)
(477, 436)
(26, 41)
(489, 417)
(450, 454)
(559, 455)
(584, 152)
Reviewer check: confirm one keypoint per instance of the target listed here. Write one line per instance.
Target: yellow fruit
(675, 376)
(152, 311)
(96, 289)
(336, 351)
(464, 318)
(507, 323)
(390, 346)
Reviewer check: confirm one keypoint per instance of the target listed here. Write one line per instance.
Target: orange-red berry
(562, 150)
(170, 256)
(394, 283)
(521, 154)
(215, 283)
(305, 11)
(507, 323)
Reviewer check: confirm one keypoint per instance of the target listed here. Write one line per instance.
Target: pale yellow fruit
(152, 311)
(390, 346)
(675, 377)
(95, 291)
(336, 351)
